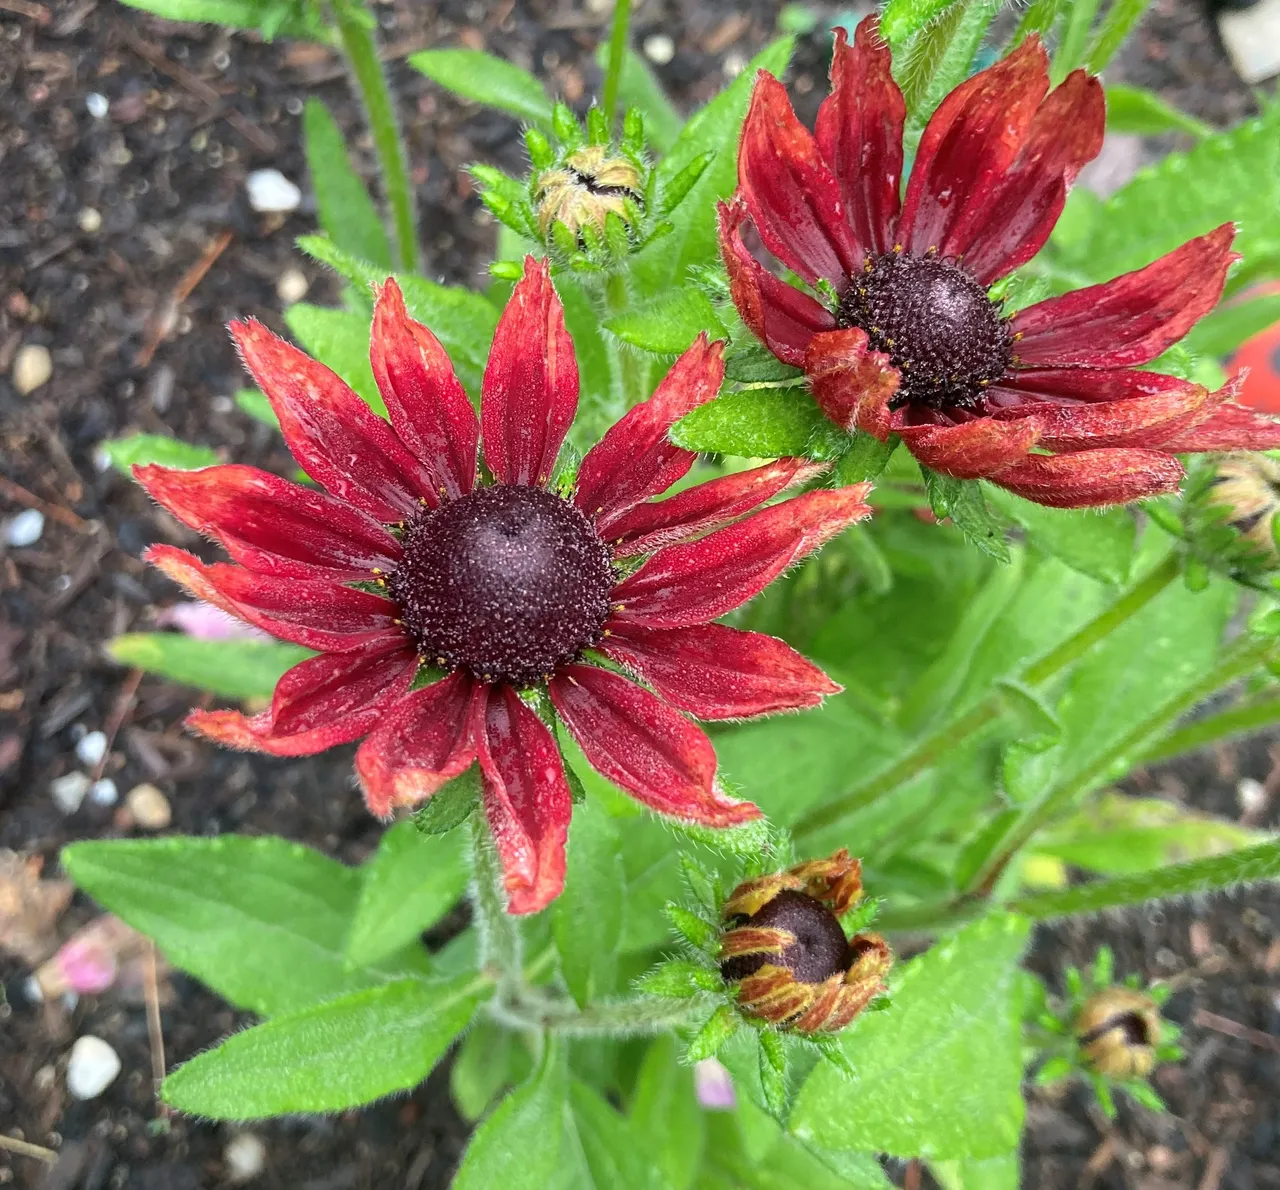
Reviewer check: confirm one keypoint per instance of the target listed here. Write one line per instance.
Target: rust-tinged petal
(752, 895)
(972, 450)
(744, 941)
(826, 1000)
(1092, 478)
(852, 384)
(1228, 427)
(836, 880)
(774, 995)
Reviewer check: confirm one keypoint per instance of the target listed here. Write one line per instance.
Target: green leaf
(1143, 113)
(256, 405)
(665, 1115)
(639, 87)
(490, 1059)
(1198, 876)
(451, 805)
(339, 339)
(1122, 16)
(994, 1173)
(964, 502)
(761, 423)
(329, 1057)
(487, 80)
(668, 324)
(941, 57)
(229, 668)
(718, 1028)
(262, 921)
(611, 1157)
(902, 18)
(937, 1074)
(409, 884)
(124, 453)
(586, 918)
(677, 979)
(346, 211)
(1098, 543)
(773, 1073)
(282, 17)
(1224, 330)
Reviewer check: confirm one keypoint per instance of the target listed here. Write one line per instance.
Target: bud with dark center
(508, 582)
(1247, 488)
(1118, 1031)
(585, 189)
(937, 325)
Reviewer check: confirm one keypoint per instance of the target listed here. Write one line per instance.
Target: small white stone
(1252, 796)
(292, 286)
(104, 792)
(659, 48)
(90, 220)
(24, 529)
(245, 1155)
(68, 792)
(97, 105)
(92, 748)
(92, 1069)
(270, 191)
(149, 807)
(32, 367)
(1252, 40)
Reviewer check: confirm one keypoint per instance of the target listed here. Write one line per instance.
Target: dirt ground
(103, 217)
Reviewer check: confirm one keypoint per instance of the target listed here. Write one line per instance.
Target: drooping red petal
(779, 315)
(968, 145)
(699, 580)
(427, 405)
(336, 438)
(715, 672)
(271, 525)
(327, 700)
(316, 613)
(792, 196)
(638, 742)
(530, 389)
(1065, 135)
(649, 527)
(971, 450)
(859, 133)
(1073, 386)
(526, 798)
(852, 385)
(635, 459)
(422, 742)
(1132, 319)
(1228, 427)
(1092, 477)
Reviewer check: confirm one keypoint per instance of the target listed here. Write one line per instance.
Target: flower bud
(1228, 516)
(1118, 1031)
(1246, 487)
(585, 189)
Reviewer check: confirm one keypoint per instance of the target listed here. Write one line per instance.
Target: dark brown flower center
(820, 948)
(508, 582)
(936, 324)
(1133, 1027)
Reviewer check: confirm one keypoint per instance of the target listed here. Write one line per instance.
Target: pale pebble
(32, 367)
(24, 529)
(92, 748)
(92, 1068)
(270, 191)
(245, 1155)
(149, 807)
(104, 792)
(68, 791)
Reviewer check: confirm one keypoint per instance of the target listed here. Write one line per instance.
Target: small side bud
(1118, 1031)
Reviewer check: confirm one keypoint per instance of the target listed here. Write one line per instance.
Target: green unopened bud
(1229, 516)
(1118, 1031)
(1247, 488)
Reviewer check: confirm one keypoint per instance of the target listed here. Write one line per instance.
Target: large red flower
(406, 565)
(909, 342)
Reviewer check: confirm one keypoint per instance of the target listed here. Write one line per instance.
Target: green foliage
(1099, 543)
(1225, 329)
(252, 402)
(487, 80)
(340, 340)
(941, 56)
(639, 88)
(964, 503)
(602, 1151)
(761, 423)
(903, 18)
(1144, 113)
(587, 916)
(668, 324)
(1122, 16)
(490, 1059)
(271, 18)
(451, 804)
(230, 668)
(125, 453)
(665, 1115)
(992, 1173)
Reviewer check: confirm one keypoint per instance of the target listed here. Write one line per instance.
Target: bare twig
(124, 704)
(155, 1034)
(1214, 1168)
(168, 309)
(55, 512)
(1222, 1024)
(25, 8)
(27, 1150)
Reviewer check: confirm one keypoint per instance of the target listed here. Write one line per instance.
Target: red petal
(1065, 135)
(336, 438)
(1229, 427)
(327, 700)
(967, 147)
(792, 196)
(424, 741)
(1073, 386)
(972, 450)
(1129, 320)
(526, 798)
(715, 672)
(1092, 477)
(271, 525)
(700, 580)
(635, 459)
(859, 133)
(780, 315)
(641, 744)
(649, 527)
(315, 613)
(530, 389)
(853, 386)
(425, 401)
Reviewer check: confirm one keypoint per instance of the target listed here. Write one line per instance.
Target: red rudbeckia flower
(911, 344)
(406, 560)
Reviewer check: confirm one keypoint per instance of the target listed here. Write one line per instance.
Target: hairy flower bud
(585, 189)
(1246, 487)
(1118, 1031)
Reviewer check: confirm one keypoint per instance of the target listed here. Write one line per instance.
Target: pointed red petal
(1228, 427)
(859, 133)
(1092, 477)
(695, 582)
(422, 742)
(852, 385)
(530, 389)
(425, 401)
(715, 672)
(526, 798)
(778, 314)
(968, 145)
(1072, 386)
(792, 196)
(1132, 319)
(972, 450)
(316, 613)
(641, 744)
(271, 525)
(635, 459)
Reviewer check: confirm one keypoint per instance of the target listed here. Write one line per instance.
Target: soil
(104, 218)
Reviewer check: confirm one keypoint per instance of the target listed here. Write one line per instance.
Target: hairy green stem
(611, 1018)
(501, 946)
(1247, 716)
(617, 56)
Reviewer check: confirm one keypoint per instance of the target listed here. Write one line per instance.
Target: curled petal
(715, 672)
(271, 525)
(424, 399)
(530, 389)
(1228, 427)
(424, 741)
(972, 450)
(774, 994)
(638, 742)
(852, 385)
(747, 940)
(1092, 477)
(1033, 387)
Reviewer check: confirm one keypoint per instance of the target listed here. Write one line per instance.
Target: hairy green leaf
(761, 423)
(587, 917)
(230, 668)
(1097, 542)
(639, 88)
(138, 449)
(668, 324)
(665, 1114)
(488, 80)
(1144, 113)
(339, 339)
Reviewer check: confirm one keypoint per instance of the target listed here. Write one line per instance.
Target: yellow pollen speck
(608, 632)
(440, 661)
(897, 247)
(398, 623)
(1017, 335)
(377, 570)
(888, 342)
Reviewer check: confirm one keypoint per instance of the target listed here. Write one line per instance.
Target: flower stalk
(617, 56)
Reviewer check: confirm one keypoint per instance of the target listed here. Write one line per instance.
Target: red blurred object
(1261, 355)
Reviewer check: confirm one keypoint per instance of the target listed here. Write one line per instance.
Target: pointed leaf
(229, 668)
(488, 80)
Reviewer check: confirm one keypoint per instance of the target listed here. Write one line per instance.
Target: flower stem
(618, 1018)
(355, 26)
(617, 55)
(991, 709)
(501, 946)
